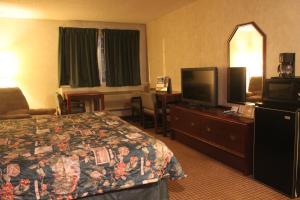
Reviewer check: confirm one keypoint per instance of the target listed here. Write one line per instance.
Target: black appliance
(199, 86)
(236, 85)
(282, 91)
(276, 148)
(286, 67)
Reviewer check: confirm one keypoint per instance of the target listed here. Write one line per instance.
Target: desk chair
(136, 108)
(149, 108)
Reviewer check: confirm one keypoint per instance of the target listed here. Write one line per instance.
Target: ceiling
(130, 11)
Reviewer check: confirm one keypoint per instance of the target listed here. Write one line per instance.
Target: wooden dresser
(224, 137)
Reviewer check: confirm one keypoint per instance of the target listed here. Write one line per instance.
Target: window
(88, 57)
(101, 58)
(122, 60)
(78, 64)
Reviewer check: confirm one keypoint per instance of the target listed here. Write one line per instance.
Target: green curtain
(78, 65)
(122, 58)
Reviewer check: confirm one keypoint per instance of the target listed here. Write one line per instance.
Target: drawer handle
(192, 124)
(232, 137)
(176, 118)
(208, 129)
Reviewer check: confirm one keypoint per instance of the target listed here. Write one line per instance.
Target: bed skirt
(153, 191)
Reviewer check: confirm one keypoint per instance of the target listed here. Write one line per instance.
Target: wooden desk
(164, 99)
(96, 97)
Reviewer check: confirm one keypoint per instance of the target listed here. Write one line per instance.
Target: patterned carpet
(209, 179)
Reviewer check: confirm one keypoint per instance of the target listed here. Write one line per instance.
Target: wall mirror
(247, 48)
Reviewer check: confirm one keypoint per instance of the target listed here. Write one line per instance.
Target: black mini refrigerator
(276, 148)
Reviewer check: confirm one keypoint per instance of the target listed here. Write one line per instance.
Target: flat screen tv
(199, 86)
(236, 85)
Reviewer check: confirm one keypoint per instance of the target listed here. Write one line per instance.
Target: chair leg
(141, 118)
(143, 121)
(172, 134)
(155, 124)
(164, 120)
(132, 114)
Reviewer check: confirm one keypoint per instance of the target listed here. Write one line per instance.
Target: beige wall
(196, 35)
(35, 46)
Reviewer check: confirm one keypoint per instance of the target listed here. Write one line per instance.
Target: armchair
(13, 105)
(254, 93)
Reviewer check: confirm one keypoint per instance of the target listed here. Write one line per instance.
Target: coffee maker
(286, 67)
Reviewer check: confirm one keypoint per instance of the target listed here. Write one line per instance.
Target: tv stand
(224, 137)
(191, 105)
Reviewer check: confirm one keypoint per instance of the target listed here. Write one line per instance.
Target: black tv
(199, 86)
(236, 85)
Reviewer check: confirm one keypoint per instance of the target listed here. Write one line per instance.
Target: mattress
(79, 155)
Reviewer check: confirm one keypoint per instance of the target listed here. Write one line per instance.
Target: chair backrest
(148, 100)
(12, 101)
(255, 84)
(62, 104)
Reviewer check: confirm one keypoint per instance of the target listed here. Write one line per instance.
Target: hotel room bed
(80, 156)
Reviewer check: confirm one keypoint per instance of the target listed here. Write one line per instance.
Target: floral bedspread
(72, 156)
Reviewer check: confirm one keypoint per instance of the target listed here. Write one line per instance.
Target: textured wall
(34, 43)
(196, 35)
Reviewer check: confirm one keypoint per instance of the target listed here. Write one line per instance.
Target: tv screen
(236, 85)
(200, 85)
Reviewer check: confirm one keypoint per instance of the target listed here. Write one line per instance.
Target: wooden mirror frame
(264, 43)
(264, 39)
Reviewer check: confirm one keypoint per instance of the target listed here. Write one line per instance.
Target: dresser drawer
(191, 124)
(228, 135)
(178, 121)
(187, 123)
(226, 138)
